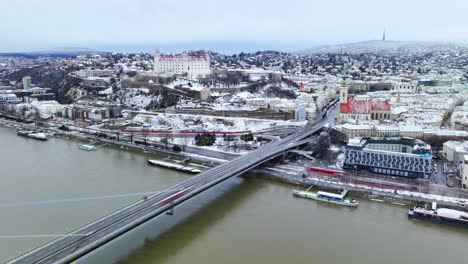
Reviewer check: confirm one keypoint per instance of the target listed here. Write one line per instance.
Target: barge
(440, 216)
(173, 166)
(32, 134)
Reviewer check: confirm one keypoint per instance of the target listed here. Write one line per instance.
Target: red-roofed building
(362, 109)
(194, 66)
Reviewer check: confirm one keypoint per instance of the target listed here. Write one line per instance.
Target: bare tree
(185, 140)
(166, 138)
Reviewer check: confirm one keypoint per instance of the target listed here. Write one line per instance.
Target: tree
(435, 141)
(132, 74)
(205, 139)
(321, 144)
(64, 128)
(247, 137)
(185, 141)
(165, 139)
(197, 139)
(176, 148)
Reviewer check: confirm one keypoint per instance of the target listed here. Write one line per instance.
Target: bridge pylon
(171, 210)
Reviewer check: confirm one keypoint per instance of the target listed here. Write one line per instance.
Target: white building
(306, 98)
(47, 109)
(8, 98)
(93, 73)
(404, 88)
(205, 93)
(257, 102)
(454, 151)
(372, 130)
(272, 102)
(464, 172)
(26, 82)
(194, 66)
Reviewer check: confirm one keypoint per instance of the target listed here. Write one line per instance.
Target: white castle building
(182, 64)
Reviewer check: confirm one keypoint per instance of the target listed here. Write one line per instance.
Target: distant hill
(68, 50)
(57, 52)
(381, 46)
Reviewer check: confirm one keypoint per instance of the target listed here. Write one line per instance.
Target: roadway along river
(242, 221)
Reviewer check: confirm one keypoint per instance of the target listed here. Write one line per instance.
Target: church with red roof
(355, 109)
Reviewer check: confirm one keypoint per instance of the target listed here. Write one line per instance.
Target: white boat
(40, 136)
(173, 166)
(327, 197)
(32, 134)
(87, 147)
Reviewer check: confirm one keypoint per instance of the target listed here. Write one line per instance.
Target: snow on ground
(186, 83)
(334, 148)
(224, 146)
(218, 105)
(220, 145)
(107, 91)
(234, 102)
(211, 123)
(138, 98)
(233, 107)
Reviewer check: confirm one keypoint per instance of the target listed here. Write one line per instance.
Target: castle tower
(157, 62)
(208, 56)
(185, 63)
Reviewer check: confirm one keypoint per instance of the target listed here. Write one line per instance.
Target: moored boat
(87, 147)
(440, 216)
(173, 166)
(327, 197)
(32, 134)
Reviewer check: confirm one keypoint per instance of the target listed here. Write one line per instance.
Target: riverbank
(159, 151)
(393, 196)
(401, 197)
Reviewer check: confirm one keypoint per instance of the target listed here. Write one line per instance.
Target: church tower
(343, 93)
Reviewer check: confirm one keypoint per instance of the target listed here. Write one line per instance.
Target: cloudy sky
(132, 25)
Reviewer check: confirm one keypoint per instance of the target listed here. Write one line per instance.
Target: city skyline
(142, 25)
(211, 131)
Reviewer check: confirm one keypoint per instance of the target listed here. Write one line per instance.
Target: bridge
(307, 154)
(95, 234)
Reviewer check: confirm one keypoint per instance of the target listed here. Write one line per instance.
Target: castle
(193, 66)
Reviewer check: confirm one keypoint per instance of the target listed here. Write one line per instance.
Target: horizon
(218, 47)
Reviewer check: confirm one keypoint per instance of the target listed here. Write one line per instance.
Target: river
(248, 220)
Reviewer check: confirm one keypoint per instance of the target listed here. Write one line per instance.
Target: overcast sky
(28, 25)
